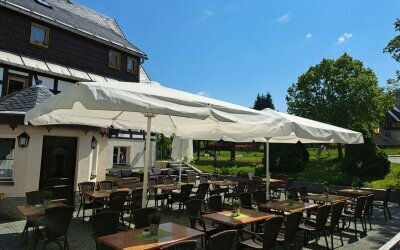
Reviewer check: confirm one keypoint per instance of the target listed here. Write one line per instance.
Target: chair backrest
(203, 179)
(182, 245)
(57, 221)
(292, 192)
(360, 203)
(302, 192)
(152, 182)
(260, 196)
(86, 186)
(292, 224)
(223, 240)
(241, 187)
(387, 196)
(117, 200)
(272, 227)
(186, 189)
(140, 216)
(245, 200)
(336, 214)
(322, 217)
(104, 223)
(215, 203)
(202, 190)
(193, 209)
(167, 180)
(34, 197)
(289, 182)
(214, 177)
(191, 177)
(105, 185)
(368, 204)
(136, 201)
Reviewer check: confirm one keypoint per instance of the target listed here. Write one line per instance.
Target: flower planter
(46, 202)
(154, 229)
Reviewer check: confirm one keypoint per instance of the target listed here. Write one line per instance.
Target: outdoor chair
(302, 190)
(203, 179)
(140, 217)
(316, 227)
(180, 197)
(367, 211)
(234, 195)
(201, 191)
(104, 223)
(193, 209)
(152, 193)
(260, 197)
(383, 204)
(224, 240)
(287, 235)
(168, 180)
(105, 185)
(32, 198)
(117, 201)
(355, 214)
(135, 202)
(333, 223)
(56, 223)
(216, 189)
(85, 202)
(245, 200)
(181, 245)
(215, 203)
(292, 192)
(267, 239)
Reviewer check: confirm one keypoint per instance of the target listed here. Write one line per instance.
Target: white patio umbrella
(150, 106)
(182, 149)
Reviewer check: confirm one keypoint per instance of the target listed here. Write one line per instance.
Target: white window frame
(119, 153)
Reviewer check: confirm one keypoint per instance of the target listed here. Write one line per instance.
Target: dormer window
(131, 65)
(114, 59)
(40, 35)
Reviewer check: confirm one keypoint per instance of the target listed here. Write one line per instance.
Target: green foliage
(115, 183)
(287, 157)
(47, 195)
(392, 179)
(155, 218)
(263, 101)
(341, 92)
(236, 203)
(365, 159)
(393, 48)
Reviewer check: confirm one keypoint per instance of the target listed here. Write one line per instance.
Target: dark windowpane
(130, 65)
(38, 36)
(6, 157)
(14, 85)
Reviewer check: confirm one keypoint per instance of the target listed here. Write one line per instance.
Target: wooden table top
(283, 206)
(356, 192)
(224, 183)
(103, 194)
(33, 211)
(322, 198)
(129, 241)
(225, 217)
(167, 187)
(273, 181)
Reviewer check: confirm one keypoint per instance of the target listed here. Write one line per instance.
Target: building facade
(46, 46)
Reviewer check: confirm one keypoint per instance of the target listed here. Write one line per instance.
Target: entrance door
(58, 167)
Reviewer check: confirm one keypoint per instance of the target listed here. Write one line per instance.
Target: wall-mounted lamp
(23, 140)
(93, 143)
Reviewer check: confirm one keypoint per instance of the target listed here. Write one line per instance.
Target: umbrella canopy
(182, 149)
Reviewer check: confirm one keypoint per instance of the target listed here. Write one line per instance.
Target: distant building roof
(24, 100)
(76, 18)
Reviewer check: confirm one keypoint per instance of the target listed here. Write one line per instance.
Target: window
(16, 83)
(114, 59)
(131, 65)
(120, 155)
(40, 35)
(6, 158)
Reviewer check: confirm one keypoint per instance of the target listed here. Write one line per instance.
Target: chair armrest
(254, 235)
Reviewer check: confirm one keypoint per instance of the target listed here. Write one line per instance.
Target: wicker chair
(224, 240)
(317, 227)
(117, 201)
(303, 193)
(104, 223)
(181, 197)
(287, 236)
(153, 193)
(260, 197)
(384, 204)
(140, 217)
(266, 240)
(215, 203)
(240, 188)
(105, 185)
(182, 245)
(355, 214)
(32, 198)
(367, 211)
(333, 223)
(84, 202)
(245, 200)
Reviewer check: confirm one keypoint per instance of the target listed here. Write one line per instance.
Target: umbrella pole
(180, 171)
(267, 167)
(146, 159)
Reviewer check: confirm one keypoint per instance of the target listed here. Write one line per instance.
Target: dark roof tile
(24, 100)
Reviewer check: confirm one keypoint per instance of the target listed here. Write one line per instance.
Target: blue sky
(232, 50)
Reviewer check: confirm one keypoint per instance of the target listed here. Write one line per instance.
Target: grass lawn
(392, 151)
(326, 168)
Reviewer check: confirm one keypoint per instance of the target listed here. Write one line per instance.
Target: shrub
(287, 157)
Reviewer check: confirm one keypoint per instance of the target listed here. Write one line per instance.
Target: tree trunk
(340, 151)
(233, 152)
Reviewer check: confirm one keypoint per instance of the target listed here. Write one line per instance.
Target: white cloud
(309, 35)
(208, 13)
(203, 93)
(344, 37)
(284, 18)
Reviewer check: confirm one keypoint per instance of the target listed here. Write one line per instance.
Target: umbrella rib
(116, 117)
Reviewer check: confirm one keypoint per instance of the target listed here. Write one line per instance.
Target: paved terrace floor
(79, 233)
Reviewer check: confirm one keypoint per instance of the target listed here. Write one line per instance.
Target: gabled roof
(21, 101)
(76, 18)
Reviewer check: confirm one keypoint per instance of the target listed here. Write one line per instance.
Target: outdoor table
(103, 194)
(283, 206)
(274, 181)
(246, 216)
(134, 240)
(224, 183)
(330, 199)
(167, 187)
(354, 193)
(35, 211)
